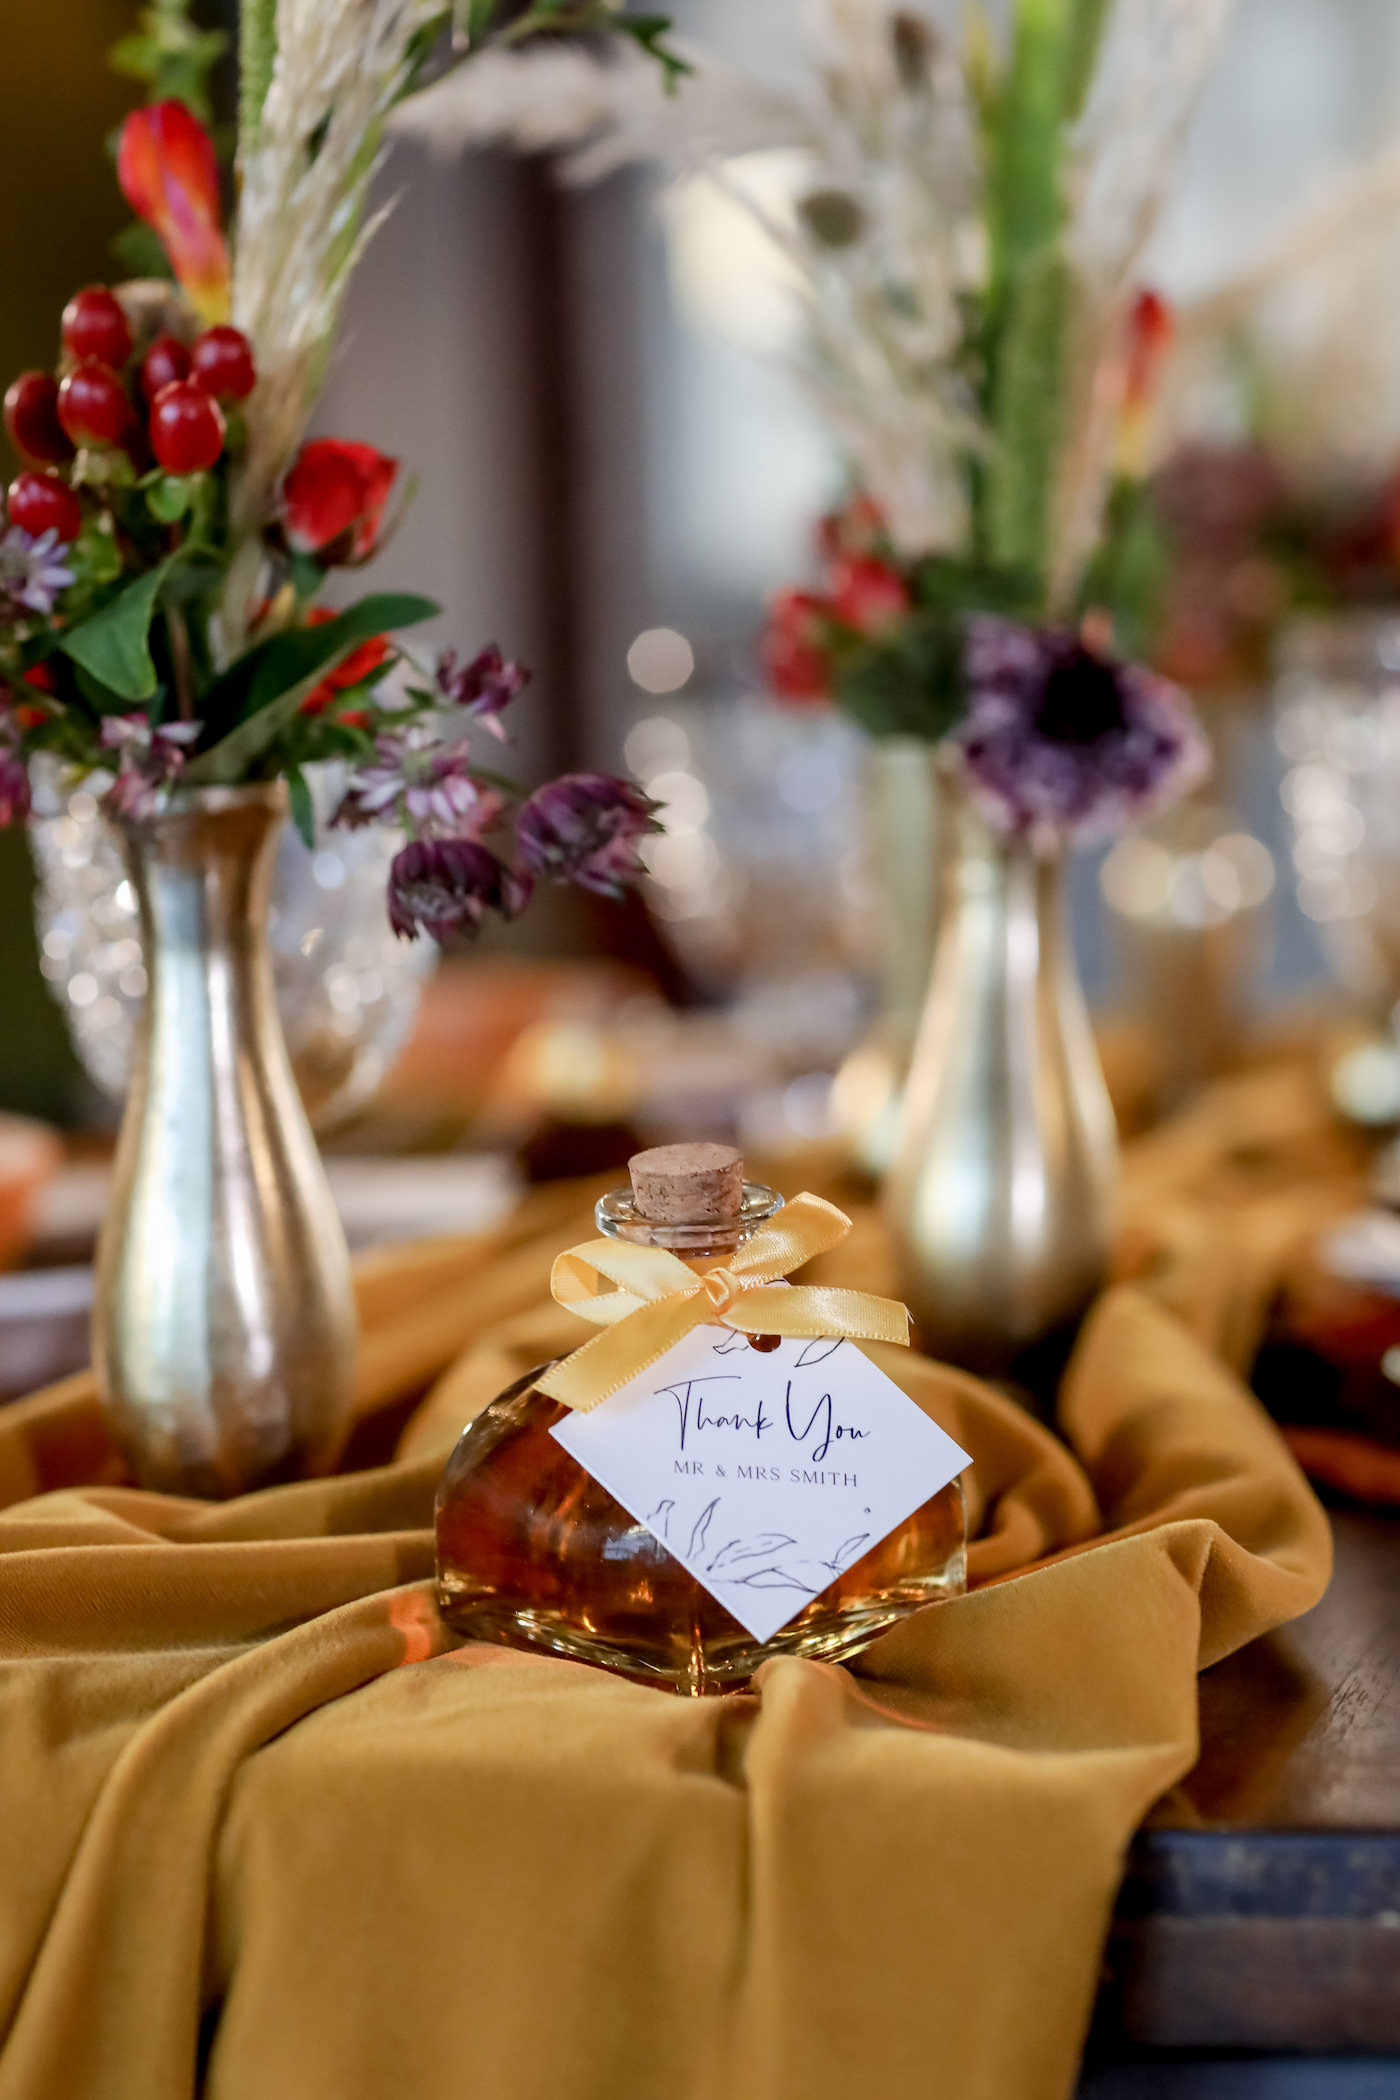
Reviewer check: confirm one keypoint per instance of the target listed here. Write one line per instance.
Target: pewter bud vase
(223, 1332)
(1001, 1190)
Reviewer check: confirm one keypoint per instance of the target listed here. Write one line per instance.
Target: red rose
(867, 595)
(792, 651)
(333, 499)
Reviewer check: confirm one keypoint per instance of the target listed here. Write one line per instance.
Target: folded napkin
(269, 1832)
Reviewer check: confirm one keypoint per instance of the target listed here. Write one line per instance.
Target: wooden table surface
(1261, 1907)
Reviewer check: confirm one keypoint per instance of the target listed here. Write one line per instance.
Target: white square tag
(767, 1474)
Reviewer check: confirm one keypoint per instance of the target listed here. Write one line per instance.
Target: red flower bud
(170, 178)
(333, 499)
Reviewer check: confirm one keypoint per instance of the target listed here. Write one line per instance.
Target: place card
(766, 1473)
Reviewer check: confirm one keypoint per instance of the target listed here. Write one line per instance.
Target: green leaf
(137, 56)
(1027, 415)
(908, 683)
(303, 808)
(94, 557)
(99, 697)
(170, 496)
(113, 645)
(137, 248)
(280, 675)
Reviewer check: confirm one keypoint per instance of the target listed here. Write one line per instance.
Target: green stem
(180, 661)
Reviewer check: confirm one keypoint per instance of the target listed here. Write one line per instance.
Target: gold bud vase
(1000, 1193)
(224, 1327)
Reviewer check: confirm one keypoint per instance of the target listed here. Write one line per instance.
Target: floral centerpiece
(968, 220)
(163, 552)
(144, 632)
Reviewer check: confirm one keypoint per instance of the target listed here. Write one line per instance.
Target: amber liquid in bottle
(533, 1552)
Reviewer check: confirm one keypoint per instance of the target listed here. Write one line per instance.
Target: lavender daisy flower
(151, 761)
(1059, 743)
(446, 886)
(425, 782)
(31, 573)
(584, 828)
(483, 687)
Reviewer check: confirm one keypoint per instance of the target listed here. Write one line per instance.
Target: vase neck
(987, 871)
(202, 868)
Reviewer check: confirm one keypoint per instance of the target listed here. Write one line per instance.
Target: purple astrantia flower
(1059, 743)
(584, 828)
(484, 687)
(151, 760)
(426, 783)
(447, 886)
(31, 573)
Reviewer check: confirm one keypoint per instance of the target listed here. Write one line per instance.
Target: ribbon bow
(657, 1299)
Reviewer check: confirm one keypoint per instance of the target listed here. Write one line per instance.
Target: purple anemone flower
(31, 573)
(584, 828)
(447, 886)
(1061, 744)
(484, 687)
(151, 761)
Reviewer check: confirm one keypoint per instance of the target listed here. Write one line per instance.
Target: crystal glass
(1337, 720)
(532, 1552)
(347, 989)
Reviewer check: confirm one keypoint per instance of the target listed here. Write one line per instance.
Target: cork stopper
(688, 1184)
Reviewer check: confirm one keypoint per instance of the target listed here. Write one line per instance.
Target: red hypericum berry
(166, 361)
(41, 502)
(31, 417)
(223, 364)
(187, 428)
(41, 677)
(95, 326)
(92, 405)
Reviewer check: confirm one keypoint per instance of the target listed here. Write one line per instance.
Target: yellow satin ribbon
(656, 1299)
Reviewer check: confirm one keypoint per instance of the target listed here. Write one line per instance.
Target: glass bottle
(533, 1552)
